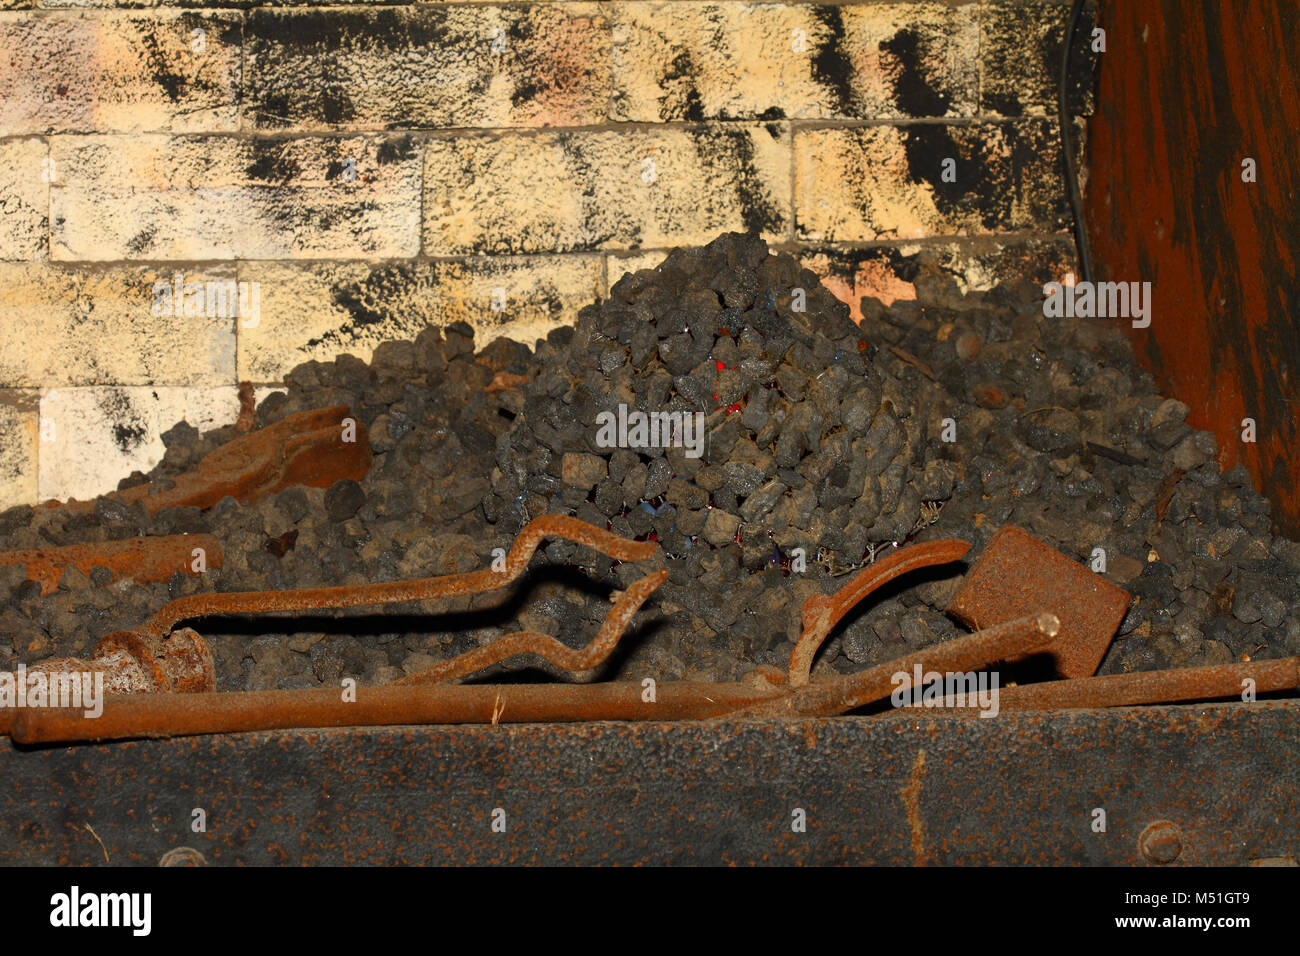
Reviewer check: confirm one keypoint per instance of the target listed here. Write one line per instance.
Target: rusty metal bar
(392, 592)
(1155, 687)
(176, 715)
(821, 612)
(169, 715)
(972, 652)
(575, 660)
(142, 559)
(172, 714)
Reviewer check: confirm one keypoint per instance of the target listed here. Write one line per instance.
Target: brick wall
(361, 170)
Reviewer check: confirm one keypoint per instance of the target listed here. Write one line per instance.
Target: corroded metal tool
(1018, 574)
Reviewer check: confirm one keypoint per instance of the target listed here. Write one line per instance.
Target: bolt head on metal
(1161, 843)
(183, 856)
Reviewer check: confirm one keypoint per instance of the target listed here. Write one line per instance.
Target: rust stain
(1165, 493)
(247, 408)
(911, 795)
(504, 381)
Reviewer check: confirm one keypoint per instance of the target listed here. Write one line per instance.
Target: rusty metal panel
(1018, 574)
(902, 789)
(1187, 94)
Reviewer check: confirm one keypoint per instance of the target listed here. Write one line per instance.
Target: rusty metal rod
(178, 715)
(1154, 687)
(822, 612)
(170, 715)
(575, 660)
(972, 652)
(388, 592)
(183, 665)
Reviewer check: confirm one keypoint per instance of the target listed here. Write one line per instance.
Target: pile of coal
(724, 405)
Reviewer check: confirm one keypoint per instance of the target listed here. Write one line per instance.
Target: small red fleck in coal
(282, 545)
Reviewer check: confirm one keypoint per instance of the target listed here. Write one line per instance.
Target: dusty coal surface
(824, 444)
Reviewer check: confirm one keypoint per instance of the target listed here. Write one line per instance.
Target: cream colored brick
(693, 61)
(194, 198)
(24, 199)
(101, 435)
(1020, 58)
(62, 325)
(120, 71)
(19, 415)
(535, 294)
(586, 190)
(412, 67)
(320, 310)
(887, 182)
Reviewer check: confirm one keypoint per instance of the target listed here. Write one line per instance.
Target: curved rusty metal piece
(575, 660)
(839, 695)
(822, 612)
(394, 592)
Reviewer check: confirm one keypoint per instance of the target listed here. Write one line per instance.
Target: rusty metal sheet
(900, 789)
(314, 448)
(1017, 574)
(141, 559)
(1168, 203)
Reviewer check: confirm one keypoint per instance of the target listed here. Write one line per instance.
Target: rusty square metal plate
(1018, 574)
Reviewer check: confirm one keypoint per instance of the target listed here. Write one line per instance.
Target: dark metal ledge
(896, 789)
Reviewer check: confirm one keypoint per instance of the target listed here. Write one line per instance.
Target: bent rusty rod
(575, 660)
(822, 612)
(392, 592)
